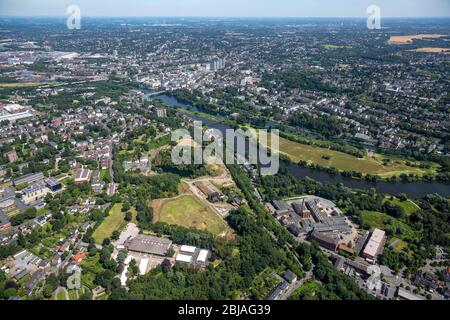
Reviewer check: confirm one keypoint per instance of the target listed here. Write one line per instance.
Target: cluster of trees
(20, 218)
(329, 127)
(8, 288)
(163, 162)
(336, 285)
(431, 222)
(295, 80)
(434, 220)
(260, 244)
(179, 234)
(283, 185)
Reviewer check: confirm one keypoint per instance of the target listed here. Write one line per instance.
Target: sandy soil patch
(410, 39)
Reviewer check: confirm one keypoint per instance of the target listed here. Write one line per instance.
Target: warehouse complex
(148, 245)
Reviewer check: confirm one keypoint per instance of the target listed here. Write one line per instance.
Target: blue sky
(228, 8)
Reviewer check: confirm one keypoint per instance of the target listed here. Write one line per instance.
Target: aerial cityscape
(96, 109)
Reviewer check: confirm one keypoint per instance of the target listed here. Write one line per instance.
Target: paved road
(296, 285)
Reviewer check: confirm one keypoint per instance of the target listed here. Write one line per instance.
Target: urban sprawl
(88, 190)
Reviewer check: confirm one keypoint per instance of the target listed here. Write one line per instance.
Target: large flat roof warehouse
(149, 244)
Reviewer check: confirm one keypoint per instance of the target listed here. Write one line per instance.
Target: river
(416, 189)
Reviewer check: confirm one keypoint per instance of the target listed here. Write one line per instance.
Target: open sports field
(345, 162)
(188, 211)
(114, 221)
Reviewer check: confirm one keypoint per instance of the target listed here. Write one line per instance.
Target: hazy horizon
(227, 9)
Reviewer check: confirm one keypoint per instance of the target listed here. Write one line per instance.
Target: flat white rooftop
(183, 258)
(374, 244)
(202, 256)
(124, 276)
(378, 235)
(189, 249)
(143, 266)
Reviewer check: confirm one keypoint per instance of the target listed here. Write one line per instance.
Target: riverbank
(416, 189)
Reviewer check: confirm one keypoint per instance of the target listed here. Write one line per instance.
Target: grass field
(383, 221)
(26, 84)
(61, 295)
(397, 244)
(114, 221)
(189, 211)
(91, 266)
(345, 162)
(73, 294)
(409, 206)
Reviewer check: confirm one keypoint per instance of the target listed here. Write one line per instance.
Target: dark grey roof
(280, 205)
(149, 244)
(29, 178)
(52, 182)
(37, 276)
(289, 276)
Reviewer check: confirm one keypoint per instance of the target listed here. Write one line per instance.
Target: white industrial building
(193, 255)
(14, 112)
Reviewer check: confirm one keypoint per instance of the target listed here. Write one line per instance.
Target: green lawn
(103, 173)
(66, 181)
(189, 211)
(73, 294)
(160, 141)
(374, 164)
(90, 267)
(397, 244)
(409, 206)
(382, 221)
(61, 295)
(114, 221)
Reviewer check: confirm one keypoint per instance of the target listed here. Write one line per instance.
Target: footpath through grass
(190, 212)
